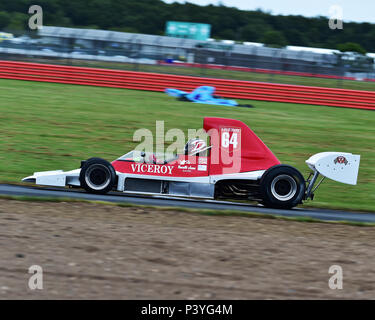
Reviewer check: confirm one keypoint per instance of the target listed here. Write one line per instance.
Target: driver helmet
(195, 146)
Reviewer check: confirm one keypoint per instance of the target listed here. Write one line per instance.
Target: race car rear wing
(338, 166)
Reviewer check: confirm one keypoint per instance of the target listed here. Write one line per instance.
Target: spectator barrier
(158, 82)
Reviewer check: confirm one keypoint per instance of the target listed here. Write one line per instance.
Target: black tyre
(97, 176)
(282, 186)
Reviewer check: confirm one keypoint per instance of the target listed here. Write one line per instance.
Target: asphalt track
(321, 214)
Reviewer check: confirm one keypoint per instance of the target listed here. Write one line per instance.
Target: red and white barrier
(158, 82)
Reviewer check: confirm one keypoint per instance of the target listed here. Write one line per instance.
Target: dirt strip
(96, 251)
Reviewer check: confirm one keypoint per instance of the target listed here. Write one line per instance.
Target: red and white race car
(235, 164)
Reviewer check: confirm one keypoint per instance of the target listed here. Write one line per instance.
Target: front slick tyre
(282, 186)
(97, 176)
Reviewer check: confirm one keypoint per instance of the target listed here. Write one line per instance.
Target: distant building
(311, 49)
(134, 46)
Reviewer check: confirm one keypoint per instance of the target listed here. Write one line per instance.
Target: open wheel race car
(235, 164)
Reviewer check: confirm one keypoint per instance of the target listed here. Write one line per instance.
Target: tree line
(150, 16)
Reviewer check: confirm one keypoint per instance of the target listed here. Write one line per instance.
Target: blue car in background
(203, 94)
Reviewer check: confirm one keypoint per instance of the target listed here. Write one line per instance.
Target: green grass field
(47, 126)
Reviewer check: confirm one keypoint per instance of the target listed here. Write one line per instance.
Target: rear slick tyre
(282, 186)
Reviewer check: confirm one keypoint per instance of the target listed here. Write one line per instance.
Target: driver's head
(195, 146)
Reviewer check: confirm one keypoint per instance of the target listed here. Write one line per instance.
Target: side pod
(57, 178)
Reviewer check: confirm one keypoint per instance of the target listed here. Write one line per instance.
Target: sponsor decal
(341, 160)
(151, 168)
(189, 168)
(183, 162)
(185, 165)
(202, 160)
(202, 167)
(238, 130)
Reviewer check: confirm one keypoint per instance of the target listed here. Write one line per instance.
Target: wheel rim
(284, 187)
(97, 177)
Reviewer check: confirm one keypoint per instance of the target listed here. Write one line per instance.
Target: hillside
(149, 16)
